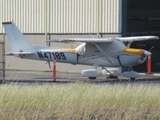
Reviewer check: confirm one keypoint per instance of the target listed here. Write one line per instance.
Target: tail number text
(50, 55)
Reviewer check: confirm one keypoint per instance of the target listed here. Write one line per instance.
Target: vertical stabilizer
(17, 40)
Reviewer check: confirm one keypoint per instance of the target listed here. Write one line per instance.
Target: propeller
(144, 56)
(147, 54)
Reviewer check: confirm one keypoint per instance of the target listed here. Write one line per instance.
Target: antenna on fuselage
(94, 37)
(91, 35)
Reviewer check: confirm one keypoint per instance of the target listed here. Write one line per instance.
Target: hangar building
(51, 19)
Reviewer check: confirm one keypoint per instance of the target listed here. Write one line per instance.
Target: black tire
(92, 78)
(132, 79)
(113, 77)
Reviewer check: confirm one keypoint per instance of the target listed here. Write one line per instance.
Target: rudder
(17, 40)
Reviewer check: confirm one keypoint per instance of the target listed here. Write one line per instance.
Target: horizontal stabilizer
(18, 53)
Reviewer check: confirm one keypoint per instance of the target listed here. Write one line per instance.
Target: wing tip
(156, 37)
(153, 37)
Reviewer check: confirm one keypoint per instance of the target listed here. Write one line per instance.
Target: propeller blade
(151, 48)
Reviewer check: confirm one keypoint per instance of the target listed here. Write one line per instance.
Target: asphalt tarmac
(46, 77)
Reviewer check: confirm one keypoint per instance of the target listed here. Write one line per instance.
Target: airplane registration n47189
(107, 53)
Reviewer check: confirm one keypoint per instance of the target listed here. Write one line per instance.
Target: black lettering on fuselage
(57, 55)
(51, 55)
(45, 55)
(40, 55)
(62, 56)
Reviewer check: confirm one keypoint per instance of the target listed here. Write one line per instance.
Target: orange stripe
(133, 51)
(69, 50)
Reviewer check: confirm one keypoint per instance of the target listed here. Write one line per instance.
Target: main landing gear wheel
(92, 78)
(112, 77)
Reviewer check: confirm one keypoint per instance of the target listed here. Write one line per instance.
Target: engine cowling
(129, 60)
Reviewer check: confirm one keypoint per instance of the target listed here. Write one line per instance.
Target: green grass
(80, 101)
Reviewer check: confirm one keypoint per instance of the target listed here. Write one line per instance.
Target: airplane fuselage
(126, 60)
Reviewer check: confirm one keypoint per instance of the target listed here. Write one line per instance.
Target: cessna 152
(97, 52)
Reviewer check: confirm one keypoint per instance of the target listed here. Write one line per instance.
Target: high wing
(104, 40)
(95, 41)
(86, 40)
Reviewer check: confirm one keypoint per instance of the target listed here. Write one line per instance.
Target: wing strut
(102, 52)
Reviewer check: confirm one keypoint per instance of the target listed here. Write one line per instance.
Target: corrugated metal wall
(64, 16)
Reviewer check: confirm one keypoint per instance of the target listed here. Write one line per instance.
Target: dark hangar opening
(143, 18)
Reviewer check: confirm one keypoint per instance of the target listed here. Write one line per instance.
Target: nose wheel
(130, 73)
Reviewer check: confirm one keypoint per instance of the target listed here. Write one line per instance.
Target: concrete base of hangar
(24, 64)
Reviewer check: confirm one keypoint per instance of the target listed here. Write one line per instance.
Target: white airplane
(97, 52)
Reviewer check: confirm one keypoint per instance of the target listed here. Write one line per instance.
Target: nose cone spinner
(147, 53)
